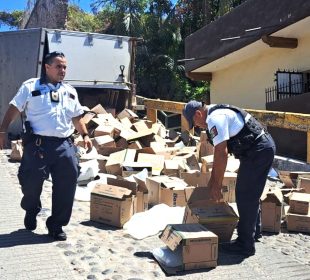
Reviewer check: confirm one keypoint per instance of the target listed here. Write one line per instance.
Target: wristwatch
(84, 135)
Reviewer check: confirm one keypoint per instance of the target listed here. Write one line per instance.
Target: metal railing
(285, 91)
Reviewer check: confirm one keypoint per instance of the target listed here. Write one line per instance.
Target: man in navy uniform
(232, 130)
(52, 111)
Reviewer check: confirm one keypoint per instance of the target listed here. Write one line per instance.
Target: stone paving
(97, 251)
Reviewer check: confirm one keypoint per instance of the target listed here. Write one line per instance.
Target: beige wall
(244, 84)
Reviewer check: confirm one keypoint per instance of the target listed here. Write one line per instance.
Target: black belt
(51, 138)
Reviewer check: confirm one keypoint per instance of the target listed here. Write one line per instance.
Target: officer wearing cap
(232, 130)
(52, 112)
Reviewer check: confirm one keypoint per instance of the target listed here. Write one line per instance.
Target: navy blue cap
(189, 111)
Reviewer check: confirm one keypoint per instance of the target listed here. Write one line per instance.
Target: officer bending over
(52, 111)
(232, 130)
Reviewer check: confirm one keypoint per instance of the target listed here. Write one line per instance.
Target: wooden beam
(294, 121)
(206, 76)
(163, 105)
(151, 115)
(280, 42)
(308, 146)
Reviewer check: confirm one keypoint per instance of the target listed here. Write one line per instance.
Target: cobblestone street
(96, 251)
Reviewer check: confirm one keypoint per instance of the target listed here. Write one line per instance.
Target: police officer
(52, 111)
(232, 130)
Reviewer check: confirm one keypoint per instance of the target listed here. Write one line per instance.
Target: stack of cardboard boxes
(126, 146)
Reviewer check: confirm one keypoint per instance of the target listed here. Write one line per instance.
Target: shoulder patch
(213, 132)
(72, 96)
(35, 93)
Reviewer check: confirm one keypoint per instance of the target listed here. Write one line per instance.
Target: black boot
(237, 248)
(30, 220)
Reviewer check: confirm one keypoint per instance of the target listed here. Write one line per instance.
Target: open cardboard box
(272, 208)
(195, 178)
(217, 217)
(199, 246)
(138, 188)
(289, 178)
(112, 205)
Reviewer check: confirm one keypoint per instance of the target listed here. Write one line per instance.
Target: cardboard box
(111, 205)
(138, 189)
(229, 187)
(126, 122)
(297, 222)
(272, 207)
(127, 113)
(98, 109)
(104, 130)
(172, 191)
(198, 246)
(136, 145)
(173, 167)
(191, 161)
(16, 150)
(114, 163)
(300, 203)
(207, 163)
(290, 178)
(130, 168)
(204, 146)
(303, 183)
(153, 186)
(104, 141)
(140, 126)
(195, 178)
(219, 218)
(157, 162)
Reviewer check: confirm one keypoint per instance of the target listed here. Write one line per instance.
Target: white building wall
(244, 84)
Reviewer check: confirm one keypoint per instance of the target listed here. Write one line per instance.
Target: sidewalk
(97, 251)
(23, 254)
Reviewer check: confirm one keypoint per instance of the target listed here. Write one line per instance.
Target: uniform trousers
(46, 156)
(251, 180)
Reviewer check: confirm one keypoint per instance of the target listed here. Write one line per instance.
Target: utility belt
(29, 137)
(244, 141)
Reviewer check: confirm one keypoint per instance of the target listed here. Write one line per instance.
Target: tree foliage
(12, 19)
(163, 25)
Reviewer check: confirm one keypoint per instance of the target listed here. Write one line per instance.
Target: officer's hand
(88, 145)
(2, 140)
(216, 193)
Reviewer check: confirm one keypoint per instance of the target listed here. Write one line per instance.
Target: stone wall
(48, 14)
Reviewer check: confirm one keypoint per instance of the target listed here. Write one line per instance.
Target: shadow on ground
(23, 237)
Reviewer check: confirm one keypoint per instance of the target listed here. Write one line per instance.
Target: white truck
(100, 66)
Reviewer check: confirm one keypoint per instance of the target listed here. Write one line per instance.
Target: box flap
(302, 197)
(272, 195)
(174, 183)
(157, 162)
(111, 191)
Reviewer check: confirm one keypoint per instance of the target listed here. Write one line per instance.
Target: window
(289, 82)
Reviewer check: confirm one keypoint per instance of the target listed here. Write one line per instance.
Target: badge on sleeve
(213, 132)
